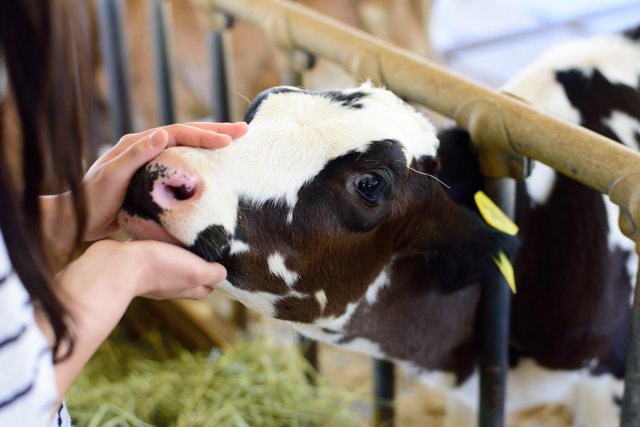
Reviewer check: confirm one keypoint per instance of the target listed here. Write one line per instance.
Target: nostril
(182, 192)
(176, 188)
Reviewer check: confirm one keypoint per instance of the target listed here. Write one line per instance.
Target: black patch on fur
(255, 105)
(212, 243)
(349, 100)
(597, 98)
(572, 304)
(459, 167)
(138, 201)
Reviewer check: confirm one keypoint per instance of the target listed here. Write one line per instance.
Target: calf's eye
(370, 186)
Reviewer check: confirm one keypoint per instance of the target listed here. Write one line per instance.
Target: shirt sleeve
(27, 379)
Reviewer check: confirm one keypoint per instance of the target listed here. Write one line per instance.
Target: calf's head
(324, 191)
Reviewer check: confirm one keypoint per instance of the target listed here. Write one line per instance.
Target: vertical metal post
(293, 63)
(630, 416)
(384, 392)
(495, 312)
(159, 22)
(218, 24)
(309, 349)
(296, 62)
(218, 66)
(110, 18)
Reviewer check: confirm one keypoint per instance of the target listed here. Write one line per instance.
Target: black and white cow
(326, 214)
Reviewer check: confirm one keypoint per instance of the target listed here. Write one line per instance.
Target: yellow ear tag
(506, 269)
(498, 220)
(493, 215)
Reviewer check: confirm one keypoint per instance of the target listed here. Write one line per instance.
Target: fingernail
(156, 139)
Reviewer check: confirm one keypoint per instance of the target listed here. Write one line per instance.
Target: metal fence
(504, 130)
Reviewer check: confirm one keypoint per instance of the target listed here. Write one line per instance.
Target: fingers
(197, 293)
(234, 130)
(194, 134)
(150, 269)
(205, 134)
(211, 274)
(136, 155)
(174, 273)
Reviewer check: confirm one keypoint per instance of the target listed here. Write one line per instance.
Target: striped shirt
(27, 379)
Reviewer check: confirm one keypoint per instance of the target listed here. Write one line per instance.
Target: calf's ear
(465, 245)
(463, 252)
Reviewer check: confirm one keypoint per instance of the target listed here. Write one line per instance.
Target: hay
(254, 383)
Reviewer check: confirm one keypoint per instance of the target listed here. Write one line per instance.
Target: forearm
(97, 288)
(89, 332)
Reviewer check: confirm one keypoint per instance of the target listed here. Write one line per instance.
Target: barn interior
(164, 351)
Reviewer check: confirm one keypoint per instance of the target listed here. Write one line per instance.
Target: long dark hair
(45, 45)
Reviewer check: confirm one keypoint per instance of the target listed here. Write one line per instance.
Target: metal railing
(504, 130)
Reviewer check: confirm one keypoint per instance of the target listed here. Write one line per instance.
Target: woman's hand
(97, 288)
(149, 269)
(105, 184)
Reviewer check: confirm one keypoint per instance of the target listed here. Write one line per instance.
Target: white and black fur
(326, 215)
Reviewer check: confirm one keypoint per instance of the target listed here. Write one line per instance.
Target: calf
(327, 214)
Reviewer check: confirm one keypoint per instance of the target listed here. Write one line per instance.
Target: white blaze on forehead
(294, 134)
(277, 268)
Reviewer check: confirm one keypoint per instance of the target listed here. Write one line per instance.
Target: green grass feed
(254, 383)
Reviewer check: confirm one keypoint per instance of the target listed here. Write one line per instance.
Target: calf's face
(306, 210)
